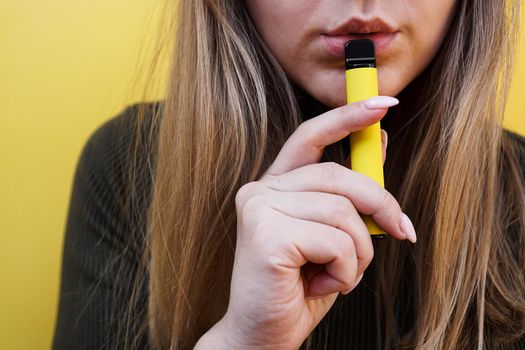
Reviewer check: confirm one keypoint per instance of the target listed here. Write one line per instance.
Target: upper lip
(362, 26)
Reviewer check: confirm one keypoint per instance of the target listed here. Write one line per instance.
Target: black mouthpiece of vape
(360, 53)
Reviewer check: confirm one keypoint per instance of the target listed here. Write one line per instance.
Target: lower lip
(335, 44)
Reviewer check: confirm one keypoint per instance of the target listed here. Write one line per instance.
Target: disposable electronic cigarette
(365, 145)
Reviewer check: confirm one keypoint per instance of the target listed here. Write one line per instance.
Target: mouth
(375, 29)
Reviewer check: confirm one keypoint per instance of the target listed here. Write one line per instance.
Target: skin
(300, 238)
(292, 29)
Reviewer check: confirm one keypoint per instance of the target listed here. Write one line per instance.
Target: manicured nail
(384, 137)
(380, 102)
(407, 228)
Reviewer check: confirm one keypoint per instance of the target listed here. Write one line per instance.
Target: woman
(239, 225)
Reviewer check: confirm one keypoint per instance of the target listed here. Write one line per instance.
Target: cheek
(281, 24)
(396, 73)
(422, 38)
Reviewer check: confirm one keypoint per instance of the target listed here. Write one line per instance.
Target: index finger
(306, 144)
(364, 193)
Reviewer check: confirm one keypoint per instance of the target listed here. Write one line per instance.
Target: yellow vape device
(365, 145)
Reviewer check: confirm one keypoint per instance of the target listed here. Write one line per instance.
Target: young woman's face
(307, 38)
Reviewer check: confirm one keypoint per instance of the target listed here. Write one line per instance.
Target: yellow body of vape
(365, 145)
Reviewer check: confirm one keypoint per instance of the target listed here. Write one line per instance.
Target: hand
(300, 239)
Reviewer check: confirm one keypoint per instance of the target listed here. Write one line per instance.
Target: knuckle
(256, 225)
(342, 206)
(267, 177)
(244, 193)
(345, 257)
(349, 284)
(268, 240)
(305, 127)
(251, 204)
(345, 110)
(348, 281)
(385, 201)
(330, 170)
(361, 106)
(259, 228)
(347, 248)
(368, 255)
(346, 284)
(348, 252)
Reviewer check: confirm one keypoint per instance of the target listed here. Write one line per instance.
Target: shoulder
(517, 139)
(104, 238)
(516, 144)
(125, 140)
(112, 178)
(117, 136)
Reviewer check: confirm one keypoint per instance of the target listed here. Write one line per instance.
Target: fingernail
(384, 137)
(380, 102)
(408, 228)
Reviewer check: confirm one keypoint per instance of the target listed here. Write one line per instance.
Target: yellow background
(65, 67)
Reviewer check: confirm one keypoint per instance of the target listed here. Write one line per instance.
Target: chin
(329, 87)
(331, 98)
(390, 82)
(330, 92)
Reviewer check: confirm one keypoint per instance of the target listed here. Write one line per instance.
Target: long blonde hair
(230, 108)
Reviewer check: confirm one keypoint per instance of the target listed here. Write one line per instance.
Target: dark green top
(103, 244)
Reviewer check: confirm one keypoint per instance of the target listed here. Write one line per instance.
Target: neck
(309, 106)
